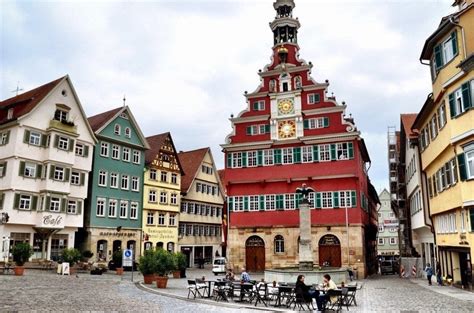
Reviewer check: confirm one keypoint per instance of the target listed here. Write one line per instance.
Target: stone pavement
(44, 291)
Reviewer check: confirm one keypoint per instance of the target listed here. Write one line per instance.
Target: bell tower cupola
(284, 26)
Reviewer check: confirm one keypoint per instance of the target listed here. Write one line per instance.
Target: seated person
(230, 275)
(244, 277)
(303, 291)
(328, 284)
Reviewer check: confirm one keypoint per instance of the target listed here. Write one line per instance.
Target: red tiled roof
(25, 102)
(98, 120)
(190, 163)
(221, 174)
(407, 122)
(155, 143)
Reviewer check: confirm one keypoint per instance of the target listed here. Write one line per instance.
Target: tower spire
(284, 26)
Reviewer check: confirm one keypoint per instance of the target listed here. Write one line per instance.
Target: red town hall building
(293, 133)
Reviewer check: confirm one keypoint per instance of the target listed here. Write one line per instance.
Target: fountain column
(305, 251)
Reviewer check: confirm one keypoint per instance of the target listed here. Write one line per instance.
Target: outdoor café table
(209, 283)
(244, 289)
(283, 291)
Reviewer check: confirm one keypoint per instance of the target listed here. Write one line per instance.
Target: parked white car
(219, 266)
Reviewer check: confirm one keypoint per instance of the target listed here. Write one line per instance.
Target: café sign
(390, 223)
(51, 221)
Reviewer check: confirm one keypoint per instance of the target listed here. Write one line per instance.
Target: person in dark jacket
(303, 291)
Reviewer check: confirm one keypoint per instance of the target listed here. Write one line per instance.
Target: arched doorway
(329, 251)
(255, 254)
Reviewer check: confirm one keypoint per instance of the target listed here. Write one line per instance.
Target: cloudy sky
(185, 64)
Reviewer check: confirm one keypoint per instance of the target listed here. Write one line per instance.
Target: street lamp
(347, 231)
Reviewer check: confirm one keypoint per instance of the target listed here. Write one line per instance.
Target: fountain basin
(315, 276)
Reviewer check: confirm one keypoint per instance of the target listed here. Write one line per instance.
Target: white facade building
(45, 159)
(387, 237)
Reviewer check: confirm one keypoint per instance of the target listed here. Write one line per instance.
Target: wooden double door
(329, 251)
(255, 254)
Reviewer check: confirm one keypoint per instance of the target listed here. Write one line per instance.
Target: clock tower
(292, 133)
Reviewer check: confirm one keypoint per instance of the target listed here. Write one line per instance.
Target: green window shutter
(8, 137)
(79, 207)
(34, 202)
(44, 140)
(318, 200)
(249, 130)
(452, 106)
(306, 124)
(230, 200)
(335, 199)
(67, 174)
(333, 152)
(56, 141)
(26, 136)
(261, 204)
(16, 203)
(279, 202)
(4, 171)
(244, 159)
(350, 146)
(267, 128)
(326, 121)
(277, 156)
(454, 42)
(471, 216)
(315, 153)
(255, 106)
(298, 199)
(63, 205)
(86, 151)
(71, 144)
(353, 199)
(246, 203)
(51, 171)
(229, 160)
(462, 166)
(48, 204)
(259, 157)
(438, 56)
(466, 96)
(39, 170)
(297, 155)
(82, 179)
(21, 170)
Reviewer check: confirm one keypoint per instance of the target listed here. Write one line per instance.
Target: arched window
(297, 82)
(159, 245)
(279, 244)
(117, 129)
(128, 132)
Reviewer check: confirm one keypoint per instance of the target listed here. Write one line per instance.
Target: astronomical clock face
(286, 106)
(286, 129)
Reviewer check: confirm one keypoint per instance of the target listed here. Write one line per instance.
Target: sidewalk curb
(141, 286)
(446, 290)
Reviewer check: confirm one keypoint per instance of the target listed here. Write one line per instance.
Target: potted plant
(181, 264)
(147, 266)
(117, 258)
(165, 263)
(71, 256)
(21, 254)
(86, 255)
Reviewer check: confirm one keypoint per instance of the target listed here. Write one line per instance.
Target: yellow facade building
(446, 140)
(161, 194)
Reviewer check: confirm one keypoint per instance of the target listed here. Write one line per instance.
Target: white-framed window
(469, 155)
(161, 218)
(174, 178)
(150, 218)
(100, 207)
(287, 155)
(164, 176)
(434, 127)
(381, 241)
(236, 159)
(104, 149)
(152, 196)
(102, 178)
(313, 98)
(268, 157)
(253, 203)
(126, 154)
(442, 115)
(115, 152)
(324, 153)
(174, 199)
(289, 201)
(63, 143)
(314, 123)
(392, 230)
(60, 115)
(112, 208)
(153, 174)
(307, 154)
(342, 151)
(113, 180)
(123, 209)
(4, 138)
(135, 183)
(128, 132)
(279, 244)
(326, 199)
(345, 199)
(163, 197)
(133, 210)
(270, 202)
(252, 158)
(79, 149)
(198, 187)
(72, 207)
(124, 184)
(259, 105)
(393, 240)
(238, 203)
(136, 156)
(58, 173)
(30, 170)
(117, 129)
(191, 208)
(448, 52)
(25, 202)
(35, 139)
(75, 178)
(172, 220)
(55, 204)
(380, 228)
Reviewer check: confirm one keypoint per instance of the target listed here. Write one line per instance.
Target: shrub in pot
(147, 266)
(21, 254)
(181, 263)
(165, 264)
(117, 258)
(86, 255)
(71, 256)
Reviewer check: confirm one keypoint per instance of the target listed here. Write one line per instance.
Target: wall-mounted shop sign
(117, 234)
(51, 221)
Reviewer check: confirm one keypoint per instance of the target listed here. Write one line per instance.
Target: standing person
(429, 273)
(438, 274)
(244, 276)
(329, 284)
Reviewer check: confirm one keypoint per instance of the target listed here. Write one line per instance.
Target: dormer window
(285, 81)
(60, 115)
(128, 132)
(10, 114)
(117, 129)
